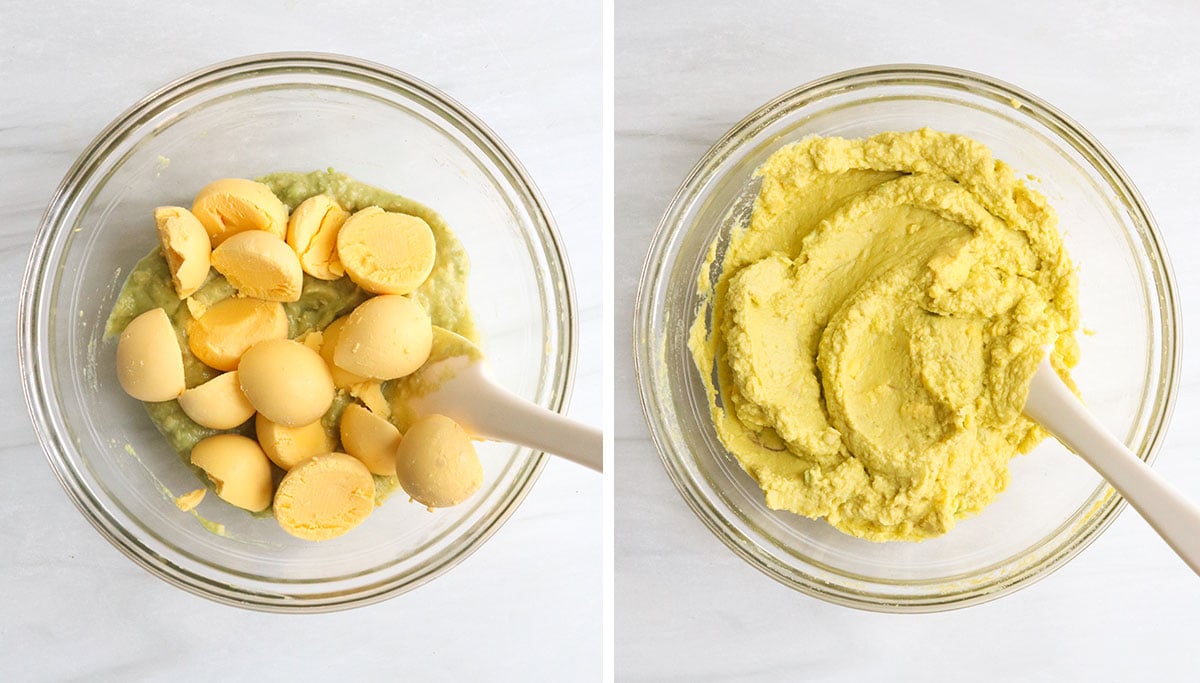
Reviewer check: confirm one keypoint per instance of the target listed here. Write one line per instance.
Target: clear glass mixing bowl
(1055, 504)
(244, 118)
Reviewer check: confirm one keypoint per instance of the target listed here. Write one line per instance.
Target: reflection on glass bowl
(245, 118)
(1055, 504)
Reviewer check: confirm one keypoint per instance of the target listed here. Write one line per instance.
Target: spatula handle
(487, 410)
(508, 417)
(1177, 519)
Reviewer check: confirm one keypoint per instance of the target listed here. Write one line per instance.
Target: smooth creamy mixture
(875, 327)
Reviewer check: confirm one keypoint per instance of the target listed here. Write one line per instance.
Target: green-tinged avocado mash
(149, 286)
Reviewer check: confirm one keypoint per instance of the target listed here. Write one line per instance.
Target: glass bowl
(245, 118)
(1055, 504)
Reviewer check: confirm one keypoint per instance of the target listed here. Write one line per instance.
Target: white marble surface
(527, 605)
(690, 610)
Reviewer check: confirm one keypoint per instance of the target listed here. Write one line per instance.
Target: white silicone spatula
(465, 392)
(1177, 519)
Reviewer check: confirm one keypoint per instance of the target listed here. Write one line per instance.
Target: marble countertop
(688, 609)
(525, 606)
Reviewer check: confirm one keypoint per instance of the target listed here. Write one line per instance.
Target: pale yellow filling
(875, 327)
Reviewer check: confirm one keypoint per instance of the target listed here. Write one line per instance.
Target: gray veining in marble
(687, 608)
(526, 606)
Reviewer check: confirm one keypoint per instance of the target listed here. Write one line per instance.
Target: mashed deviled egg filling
(875, 327)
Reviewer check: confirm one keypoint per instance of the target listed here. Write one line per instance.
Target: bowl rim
(658, 264)
(37, 264)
